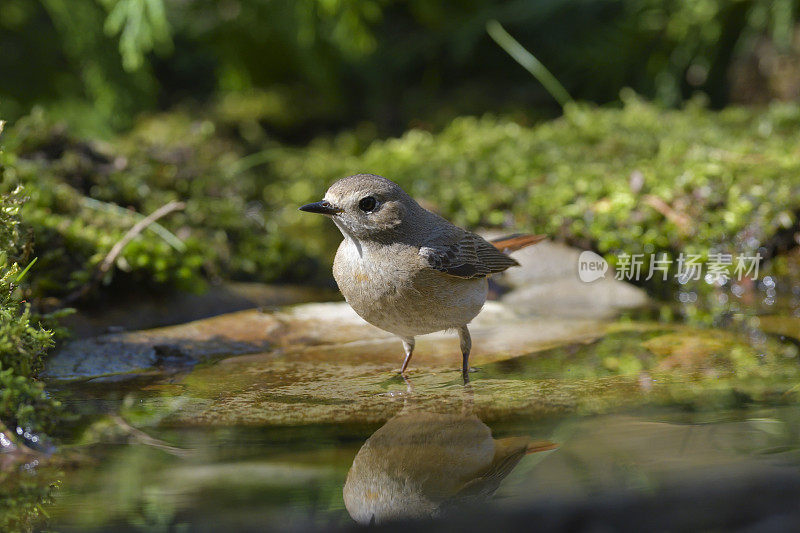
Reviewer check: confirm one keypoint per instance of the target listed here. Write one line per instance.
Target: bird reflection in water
(422, 463)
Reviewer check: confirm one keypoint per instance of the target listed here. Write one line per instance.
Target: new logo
(591, 267)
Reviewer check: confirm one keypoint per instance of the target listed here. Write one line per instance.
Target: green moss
(23, 402)
(729, 178)
(22, 341)
(84, 197)
(635, 179)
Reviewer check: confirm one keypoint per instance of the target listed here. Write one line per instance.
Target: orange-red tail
(540, 446)
(512, 243)
(511, 446)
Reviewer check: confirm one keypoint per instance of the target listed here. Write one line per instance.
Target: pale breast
(390, 287)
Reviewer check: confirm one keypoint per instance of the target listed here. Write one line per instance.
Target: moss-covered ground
(634, 179)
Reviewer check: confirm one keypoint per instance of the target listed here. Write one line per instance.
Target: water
(418, 464)
(442, 447)
(688, 416)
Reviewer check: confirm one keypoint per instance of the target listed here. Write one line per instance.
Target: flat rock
(288, 393)
(175, 346)
(547, 306)
(547, 282)
(570, 297)
(309, 332)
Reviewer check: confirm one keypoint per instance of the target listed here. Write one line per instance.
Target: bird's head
(365, 206)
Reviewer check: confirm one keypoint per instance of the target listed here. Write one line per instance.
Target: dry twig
(681, 220)
(113, 254)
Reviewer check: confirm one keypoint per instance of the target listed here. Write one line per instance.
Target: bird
(421, 464)
(405, 269)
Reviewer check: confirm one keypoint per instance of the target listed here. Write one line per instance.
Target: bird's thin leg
(408, 346)
(466, 347)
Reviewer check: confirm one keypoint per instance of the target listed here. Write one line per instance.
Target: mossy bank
(634, 179)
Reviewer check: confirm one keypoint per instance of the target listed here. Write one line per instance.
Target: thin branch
(678, 218)
(136, 230)
(113, 254)
(155, 227)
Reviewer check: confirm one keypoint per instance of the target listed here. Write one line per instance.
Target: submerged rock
(631, 365)
(613, 452)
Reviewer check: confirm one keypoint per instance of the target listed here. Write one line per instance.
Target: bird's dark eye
(367, 204)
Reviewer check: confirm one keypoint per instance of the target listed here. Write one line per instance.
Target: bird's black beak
(323, 208)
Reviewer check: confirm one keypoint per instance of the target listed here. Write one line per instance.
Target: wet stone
(321, 421)
(545, 305)
(132, 353)
(547, 282)
(307, 331)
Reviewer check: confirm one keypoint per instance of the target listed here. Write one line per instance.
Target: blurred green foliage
(332, 64)
(635, 179)
(638, 179)
(142, 27)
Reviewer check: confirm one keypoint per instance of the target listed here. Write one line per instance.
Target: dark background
(329, 64)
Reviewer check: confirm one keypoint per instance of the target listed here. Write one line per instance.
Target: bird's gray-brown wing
(467, 256)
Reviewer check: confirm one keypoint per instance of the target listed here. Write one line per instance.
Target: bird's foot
(465, 374)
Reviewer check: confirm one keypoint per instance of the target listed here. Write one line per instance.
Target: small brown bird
(406, 270)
